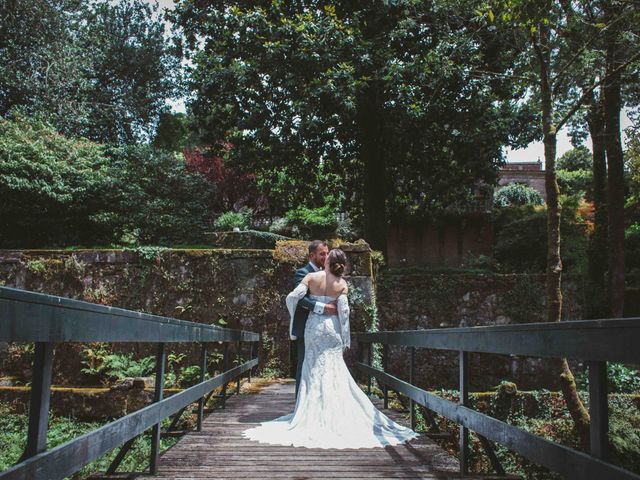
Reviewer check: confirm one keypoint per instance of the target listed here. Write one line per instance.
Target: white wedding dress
(331, 410)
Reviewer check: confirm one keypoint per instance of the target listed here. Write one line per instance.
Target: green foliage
(521, 240)
(312, 222)
(100, 362)
(149, 253)
(77, 192)
(632, 247)
(52, 187)
(622, 379)
(173, 133)
(575, 160)
(576, 182)
(230, 220)
(13, 438)
(354, 98)
(516, 194)
(100, 70)
(154, 200)
(624, 432)
(189, 376)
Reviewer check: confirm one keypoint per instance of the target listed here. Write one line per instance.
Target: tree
(51, 187)
(578, 158)
(173, 132)
(543, 26)
(96, 69)
(383, 104)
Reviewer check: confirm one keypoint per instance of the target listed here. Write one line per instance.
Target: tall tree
(545, 25)
(96, 69)
(384, 103)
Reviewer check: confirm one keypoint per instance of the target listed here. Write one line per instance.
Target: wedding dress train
(331, 411)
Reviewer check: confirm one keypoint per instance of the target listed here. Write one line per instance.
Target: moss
(291, 251)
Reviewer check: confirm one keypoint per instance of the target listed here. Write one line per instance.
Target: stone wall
(426, 300)
(235, 288)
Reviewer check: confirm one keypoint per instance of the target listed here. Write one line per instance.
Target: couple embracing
(331, 410)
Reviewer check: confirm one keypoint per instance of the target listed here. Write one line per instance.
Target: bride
(331, 410)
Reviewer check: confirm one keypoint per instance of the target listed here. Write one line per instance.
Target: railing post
(225, 367)
(39, 402)
(203, 370)
(239, 357)
(250, 358)
(412, 403)
(385, 363)
(157, 396)
(598, 409)
(464, 400)
(369, 357)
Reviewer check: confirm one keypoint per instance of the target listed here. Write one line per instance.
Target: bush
(51, 187)
(578, 182)
(521, 238)
(622, 379)
(318, 223)
(632, 247)
(102, 363)
(230, 220)
(517, 194)
(155, 199)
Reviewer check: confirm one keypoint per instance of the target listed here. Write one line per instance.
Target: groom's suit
(305, 305)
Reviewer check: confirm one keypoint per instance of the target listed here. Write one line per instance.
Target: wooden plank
(220, 450)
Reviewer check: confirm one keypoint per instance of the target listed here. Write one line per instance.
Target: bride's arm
(343, 315)
(292, 302)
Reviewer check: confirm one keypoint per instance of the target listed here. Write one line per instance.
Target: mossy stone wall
(423, 300)
(235, 288)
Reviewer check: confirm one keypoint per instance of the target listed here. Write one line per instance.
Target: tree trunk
(372, 152)
(598, 301)
(615, 203)
(578, 412)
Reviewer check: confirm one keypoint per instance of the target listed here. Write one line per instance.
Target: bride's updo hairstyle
(337, 262)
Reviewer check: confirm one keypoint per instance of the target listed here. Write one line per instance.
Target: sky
(534, 151)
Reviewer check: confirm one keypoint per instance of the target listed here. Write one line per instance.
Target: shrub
(189, 376)
(155, 199)
(231, 220)
(313, 222)
(622, 379)
(521, 238)
(577, 182)
(102, 363)
(632, 247)
(51, 186)
(517, 194)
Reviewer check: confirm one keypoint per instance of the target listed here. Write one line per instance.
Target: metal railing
(594, 341)
(46, 320)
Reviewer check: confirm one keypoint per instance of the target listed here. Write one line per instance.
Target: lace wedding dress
(331, 410)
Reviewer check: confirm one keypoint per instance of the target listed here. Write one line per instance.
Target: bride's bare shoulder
(344, 286)
(314, 277)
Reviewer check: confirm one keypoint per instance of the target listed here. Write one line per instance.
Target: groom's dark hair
(313, 246)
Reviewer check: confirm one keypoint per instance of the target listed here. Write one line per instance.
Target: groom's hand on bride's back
(330, 308)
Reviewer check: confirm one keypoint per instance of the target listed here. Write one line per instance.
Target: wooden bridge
(220, 451)
(217, 450)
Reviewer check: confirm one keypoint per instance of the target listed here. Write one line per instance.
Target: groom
(318, 252)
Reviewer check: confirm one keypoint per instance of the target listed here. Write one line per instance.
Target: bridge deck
(219, 450)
